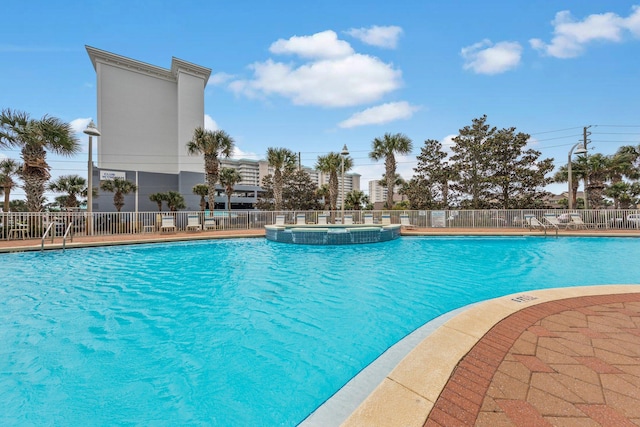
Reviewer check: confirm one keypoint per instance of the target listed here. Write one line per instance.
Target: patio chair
(386, 219)
(405, 223)
(553, 221)
(348, 220)
(368, 218)
(168, 224)
(193, 223)
(301, 219)
(532, 222)
(322, 219)
(576, 221)
(210, 223)
(279, 219)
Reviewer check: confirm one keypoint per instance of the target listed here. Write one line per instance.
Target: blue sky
(313, 76)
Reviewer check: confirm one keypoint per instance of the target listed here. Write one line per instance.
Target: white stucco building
(147, 114)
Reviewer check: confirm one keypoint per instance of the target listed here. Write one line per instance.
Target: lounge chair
(193, 223)
(368, 218)
(279, 219)
(386, 219)
(322, 219)
(405, 223)
(532, 222)
(552, 220)
(168, 224)
(576, 221)
(301, 219)
(348, 220)
(210, 223)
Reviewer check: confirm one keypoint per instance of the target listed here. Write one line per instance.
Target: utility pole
(585, 141)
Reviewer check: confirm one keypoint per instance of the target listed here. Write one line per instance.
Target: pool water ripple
(245, 332)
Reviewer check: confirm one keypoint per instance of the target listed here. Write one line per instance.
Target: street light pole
(344, 153)
(91, 130)
(580, 150)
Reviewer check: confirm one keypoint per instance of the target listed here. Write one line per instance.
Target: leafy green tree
(599, 171)
(35, 137)
(74, 186)
(386, 148)
(119, 187)
(471, 164)
(201, 190)
(175, 201)
(161, 197)
(229, 177)
(9, 170)
(299, 192)
(331, 164)
(18, 206)
(356, 200)
(429, 188)
(213, 145)
(282, 160)
(517, 174)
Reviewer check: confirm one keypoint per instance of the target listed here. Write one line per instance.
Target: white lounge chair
(322, 219)
(386, 219)
(301, 219)
(168, 224)
(532, 222)
(552, 220)
(576, 221)
(405, 223)
(193, 223)
(210, 223)
(348, 220)
(368, 218)
(279, 219)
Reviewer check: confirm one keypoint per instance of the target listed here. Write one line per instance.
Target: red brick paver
(566, 362)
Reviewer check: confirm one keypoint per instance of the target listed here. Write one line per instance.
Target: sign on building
(111, 175)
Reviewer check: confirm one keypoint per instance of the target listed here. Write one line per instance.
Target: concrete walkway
(561, 361)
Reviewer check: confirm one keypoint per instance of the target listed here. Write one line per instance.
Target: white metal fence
(33, 225)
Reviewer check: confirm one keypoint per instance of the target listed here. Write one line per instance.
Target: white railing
(18, 225)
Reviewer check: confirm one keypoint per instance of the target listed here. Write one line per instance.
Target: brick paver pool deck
(559, 357)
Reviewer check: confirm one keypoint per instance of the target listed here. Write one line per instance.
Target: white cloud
(239, 154)
(486, 58)
(571, 36)
(386, 37)
(79, 125)
(380, 114)
(338, 82)
(320, 45)
(219, 78)
(209, 123)
(447, 143)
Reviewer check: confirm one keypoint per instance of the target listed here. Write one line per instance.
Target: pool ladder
(67, 232)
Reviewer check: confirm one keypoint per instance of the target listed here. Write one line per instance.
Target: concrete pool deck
(562, 357)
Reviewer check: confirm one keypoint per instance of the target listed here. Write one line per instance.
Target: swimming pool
(242, 332)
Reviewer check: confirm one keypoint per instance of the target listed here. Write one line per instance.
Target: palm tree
(73, 186)
(323, 193)
(229, 177)
(386, 147)
(119, 187)
(159, 198)
(201, 190)
(355, 200)
(282, 160)
(175, 201)
(9, 169)
(35, 137)
(212, 144)
(332, 164)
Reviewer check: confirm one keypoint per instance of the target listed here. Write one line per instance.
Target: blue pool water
(245, 332)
